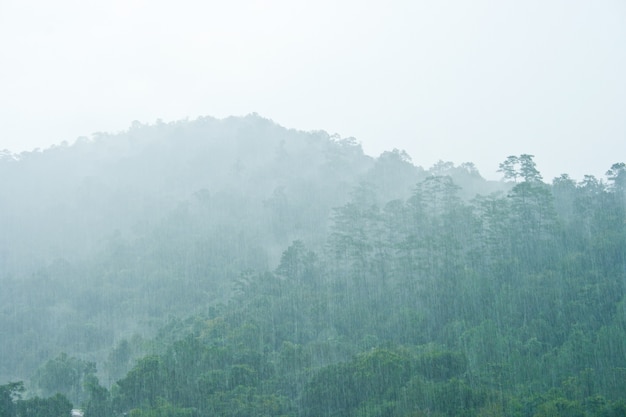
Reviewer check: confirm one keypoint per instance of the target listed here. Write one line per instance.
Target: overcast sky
(452, 80)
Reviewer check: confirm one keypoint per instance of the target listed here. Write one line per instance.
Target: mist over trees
(234, 267)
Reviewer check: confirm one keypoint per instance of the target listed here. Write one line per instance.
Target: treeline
(397, 291)
(506, 305)
(13, 405)
(104, 239)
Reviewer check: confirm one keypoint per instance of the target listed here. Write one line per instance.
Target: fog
(236, 267)
(454, 81)
(312, 209)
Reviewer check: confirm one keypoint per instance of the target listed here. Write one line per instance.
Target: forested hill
(248, 175)
(63, 201)
(110, 235)
(288, 274)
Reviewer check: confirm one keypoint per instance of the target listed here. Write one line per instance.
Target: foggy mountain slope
(262, 270)
(111, 235)
(154, 210)
(502, 305)
(508, 305)
(114, 233)
(63, 201)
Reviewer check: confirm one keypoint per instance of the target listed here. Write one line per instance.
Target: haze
(459, 81)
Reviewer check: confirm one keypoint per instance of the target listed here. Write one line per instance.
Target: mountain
(235, 267)
(110, 235)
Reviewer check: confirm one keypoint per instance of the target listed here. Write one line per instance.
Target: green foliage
(66, 375)
(55, 406)
(143, 386)
(291, 275)
(163, 409)
(521, 166)
(441, 365)
(12, 404)
(9, 393)
(99, 399)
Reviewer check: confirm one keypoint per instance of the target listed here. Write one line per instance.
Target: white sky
(454, 80)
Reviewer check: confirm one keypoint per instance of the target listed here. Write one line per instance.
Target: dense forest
(233, 267)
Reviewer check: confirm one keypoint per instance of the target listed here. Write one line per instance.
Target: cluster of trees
(422, 292)
(107, 237)
(505, 305)
(104, 239)
(12, 404)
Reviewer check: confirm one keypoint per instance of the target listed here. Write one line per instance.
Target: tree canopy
(233, 267)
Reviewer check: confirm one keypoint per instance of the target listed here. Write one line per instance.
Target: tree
(564, 191)
(143, 385)
(522, 166)
(508, 168)
(119, 360)
(297, 263)
(617, 176)
(528, 169)
(617, 180)
(164, 409)
(98, 402)
(64, 374)
(533, 217)
(12, 404)
(9, 393)
(56, 406)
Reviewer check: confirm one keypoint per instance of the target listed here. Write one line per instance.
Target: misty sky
(453, 80)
